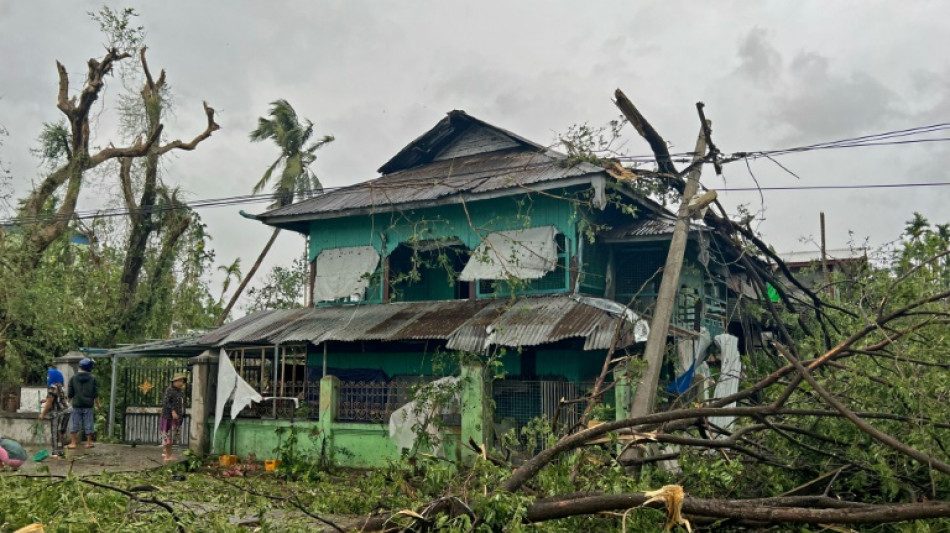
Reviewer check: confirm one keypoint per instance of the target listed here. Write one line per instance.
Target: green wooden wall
(469, 224)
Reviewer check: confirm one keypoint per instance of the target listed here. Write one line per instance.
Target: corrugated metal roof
(475, 174)
(427, 146)
(468, 325)
(645, 228)
(184, 347)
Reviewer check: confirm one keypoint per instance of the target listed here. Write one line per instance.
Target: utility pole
(645, 396)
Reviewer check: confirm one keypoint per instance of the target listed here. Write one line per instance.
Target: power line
(876, 139)
(836, 187)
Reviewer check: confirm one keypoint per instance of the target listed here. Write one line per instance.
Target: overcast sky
(378, 74)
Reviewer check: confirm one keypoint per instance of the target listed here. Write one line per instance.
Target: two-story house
(472, 241)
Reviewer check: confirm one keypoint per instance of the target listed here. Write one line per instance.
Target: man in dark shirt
(83, 392)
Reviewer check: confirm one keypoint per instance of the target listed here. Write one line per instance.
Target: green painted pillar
(476, 422)
(623, 393)
(329, 409)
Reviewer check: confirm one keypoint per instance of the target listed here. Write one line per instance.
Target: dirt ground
(94, 461)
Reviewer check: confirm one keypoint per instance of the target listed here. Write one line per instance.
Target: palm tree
(297, 180)
(230, 271)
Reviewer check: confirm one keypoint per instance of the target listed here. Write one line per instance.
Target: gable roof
(456, 124)
(460, 159)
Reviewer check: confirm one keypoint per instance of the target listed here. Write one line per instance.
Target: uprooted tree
(841, 416)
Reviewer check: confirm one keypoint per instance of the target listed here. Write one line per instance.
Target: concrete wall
(351, 444)
(345, 443)
(32, 398)
(357, 444)
(23, 428)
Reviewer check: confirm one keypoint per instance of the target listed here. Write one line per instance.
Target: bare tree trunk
(141, 214)
(247, 278)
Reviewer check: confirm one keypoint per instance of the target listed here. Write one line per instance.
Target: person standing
(83, 392)
(57, 408)
(173, 413)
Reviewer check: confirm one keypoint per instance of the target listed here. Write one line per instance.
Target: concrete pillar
(623, 393)
(329, 409)
(69, 364)
(476, 420)
(202, 401)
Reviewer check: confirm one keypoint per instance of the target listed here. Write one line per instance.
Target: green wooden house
(473, 244)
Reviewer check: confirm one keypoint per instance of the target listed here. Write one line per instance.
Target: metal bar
(274, 382)
(113, 386)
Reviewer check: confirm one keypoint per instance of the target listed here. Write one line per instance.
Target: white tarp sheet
(231, 386)
(342, 272)
(522, 254)
(406, 421)
(729, 373)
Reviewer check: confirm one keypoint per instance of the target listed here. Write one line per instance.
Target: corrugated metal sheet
(431, 144)
(647, 227)
(468, 325)
(475, 174)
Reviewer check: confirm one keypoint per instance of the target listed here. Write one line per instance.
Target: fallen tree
(841, 419)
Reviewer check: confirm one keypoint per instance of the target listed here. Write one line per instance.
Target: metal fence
(283, 408)
(518, 402)
(144, 388)
(374, 401)
(141, 426)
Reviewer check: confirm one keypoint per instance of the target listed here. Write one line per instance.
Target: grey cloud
(823, 104)
(759, 60)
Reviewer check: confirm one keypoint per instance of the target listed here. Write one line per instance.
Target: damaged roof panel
(469, 325)
(476, 174)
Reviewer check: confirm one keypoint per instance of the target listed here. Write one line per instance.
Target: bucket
(227, 460)
(271, 464)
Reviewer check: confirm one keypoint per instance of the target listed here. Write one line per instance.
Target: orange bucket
(227, 460)
(271, 465)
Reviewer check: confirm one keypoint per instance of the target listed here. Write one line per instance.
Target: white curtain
(343, 272)
(522, 254)
(231, 386)
(729, 373)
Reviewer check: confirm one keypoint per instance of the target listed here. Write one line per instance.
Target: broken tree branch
(875, 433)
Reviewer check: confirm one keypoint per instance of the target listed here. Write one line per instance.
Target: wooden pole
(645, 396)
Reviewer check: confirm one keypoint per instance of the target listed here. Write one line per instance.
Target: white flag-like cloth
(729, 374)
(407, 421)
(522, 254)
(343, 272)
(231, 386)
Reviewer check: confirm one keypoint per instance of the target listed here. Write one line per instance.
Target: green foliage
(281, 289)
(53, 144)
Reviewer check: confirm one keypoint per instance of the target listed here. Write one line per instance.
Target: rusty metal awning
(467, 325)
